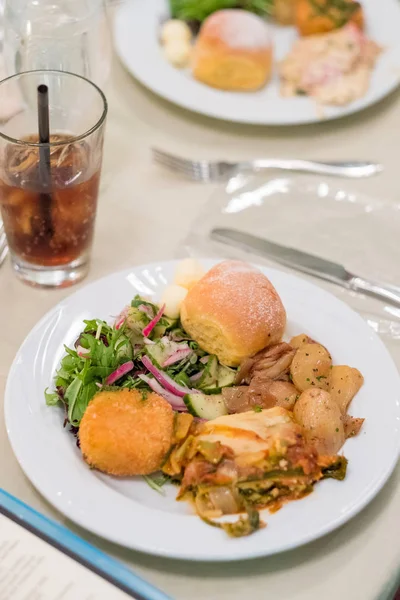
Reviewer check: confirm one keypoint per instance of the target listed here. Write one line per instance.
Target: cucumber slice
(163, 326)
(209, 378)
(123, 348)
(157, 353)
(204, 406)
(226, 376)
(160, 351)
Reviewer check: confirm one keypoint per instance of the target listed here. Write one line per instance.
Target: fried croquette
(125, 432)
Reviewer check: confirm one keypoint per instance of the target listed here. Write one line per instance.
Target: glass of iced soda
(49, 221)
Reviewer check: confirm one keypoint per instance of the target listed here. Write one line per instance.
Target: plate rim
(249, 119)
(183, 555)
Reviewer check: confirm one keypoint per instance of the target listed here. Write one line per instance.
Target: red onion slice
(149, 328)
(167, 382)
(121, 318)
(176, 402)
(120, 372)
(82, 352)
(146, 310)
(196, 377)
(177, 356)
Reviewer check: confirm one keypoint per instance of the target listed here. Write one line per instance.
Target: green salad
(143, 349)
(198, 10)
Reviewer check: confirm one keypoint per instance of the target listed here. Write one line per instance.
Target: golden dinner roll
(233, 51)
(233, 311)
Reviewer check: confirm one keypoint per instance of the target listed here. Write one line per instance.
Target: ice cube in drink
(49, 223)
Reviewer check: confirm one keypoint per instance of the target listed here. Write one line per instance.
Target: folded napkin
(12, 103)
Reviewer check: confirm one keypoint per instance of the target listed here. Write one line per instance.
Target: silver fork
(3, 244)
(204, 170)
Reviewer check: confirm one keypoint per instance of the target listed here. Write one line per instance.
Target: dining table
(144, 213)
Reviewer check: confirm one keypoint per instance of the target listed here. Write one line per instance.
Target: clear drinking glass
(66, 35)
(49, 221)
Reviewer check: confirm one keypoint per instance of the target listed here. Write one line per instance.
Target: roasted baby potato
(322, 16)
(321, 419)
(126, 432)
(345, 382)
(299, 340)
(311, 367)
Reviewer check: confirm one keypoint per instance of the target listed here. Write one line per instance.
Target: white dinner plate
(129, 512)
(137, 26)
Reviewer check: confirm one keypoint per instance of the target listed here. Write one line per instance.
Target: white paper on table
(31, 568)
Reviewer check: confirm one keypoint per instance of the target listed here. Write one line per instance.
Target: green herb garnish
(157, 481)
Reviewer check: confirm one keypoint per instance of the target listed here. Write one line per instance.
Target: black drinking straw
(44, 158)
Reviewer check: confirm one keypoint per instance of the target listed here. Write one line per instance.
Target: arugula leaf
(183, 379)
(92, 373)
(82, 402)
(52, 398)
(71, 397)
(138, 301)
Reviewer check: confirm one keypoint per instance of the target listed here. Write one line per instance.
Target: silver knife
(308, 263)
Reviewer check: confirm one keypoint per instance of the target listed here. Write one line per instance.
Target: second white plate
(127, 511)
(136, 31)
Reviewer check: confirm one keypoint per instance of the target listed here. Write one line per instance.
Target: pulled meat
(262, 392)
(271, 363)
(263, 381)
(245, 397)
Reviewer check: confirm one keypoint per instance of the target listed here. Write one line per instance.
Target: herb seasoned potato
(311, 367)
(321, 419)
(345, 382)
(322, 16)
(299, 340)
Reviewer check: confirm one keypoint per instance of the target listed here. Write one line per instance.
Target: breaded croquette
(126, 432)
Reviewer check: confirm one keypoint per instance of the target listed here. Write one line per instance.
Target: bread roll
(233, 51)
(233, 311)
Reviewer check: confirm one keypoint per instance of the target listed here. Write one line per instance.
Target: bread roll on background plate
(233, 311)
(233, 51)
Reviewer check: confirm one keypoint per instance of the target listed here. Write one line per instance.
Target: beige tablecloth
(144, 212)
